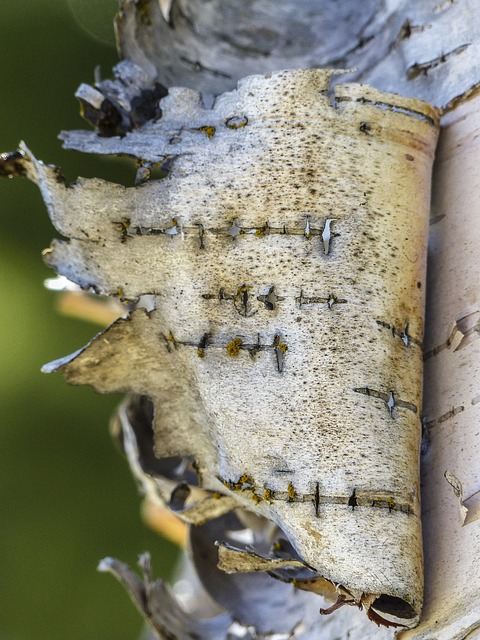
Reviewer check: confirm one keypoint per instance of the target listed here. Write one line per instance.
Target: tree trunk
(309, 316)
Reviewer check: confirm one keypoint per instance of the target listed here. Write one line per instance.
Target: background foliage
(66, 496)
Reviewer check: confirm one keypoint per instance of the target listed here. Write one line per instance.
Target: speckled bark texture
(284, 261)
(276, 282)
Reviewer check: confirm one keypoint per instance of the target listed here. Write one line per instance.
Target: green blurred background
(66, 496)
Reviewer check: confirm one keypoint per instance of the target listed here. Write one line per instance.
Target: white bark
(209, 46)
(304, 403)
(427, 50)
(451, 409)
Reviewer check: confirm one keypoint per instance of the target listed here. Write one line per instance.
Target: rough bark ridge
(426, 50)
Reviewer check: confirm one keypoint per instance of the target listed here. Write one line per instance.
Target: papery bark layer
(284, 260)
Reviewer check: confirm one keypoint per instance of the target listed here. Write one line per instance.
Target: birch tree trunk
(276, 278)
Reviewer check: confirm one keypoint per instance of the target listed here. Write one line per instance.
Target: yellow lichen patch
(233, 347)
(216, 495)
(243, 288)
(268, 494)
(281, 346)
(200, 352)
(244, 479)
(124, 227)
(256, 498)
(391, 503)
(244, 483)
(292, 494)
(209, 130)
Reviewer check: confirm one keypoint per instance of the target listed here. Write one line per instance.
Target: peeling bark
(428, 50)
(343, 172)
(308, 290)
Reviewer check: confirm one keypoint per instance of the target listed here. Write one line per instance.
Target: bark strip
(272, 388)
(450, 468)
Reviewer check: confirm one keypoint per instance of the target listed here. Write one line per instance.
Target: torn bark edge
(159, 607)
(203, 505)
(383, 609)
(115, 107)
(469, 508)
(387, 609)
(455, 102)
(21, 163)
(66, 360)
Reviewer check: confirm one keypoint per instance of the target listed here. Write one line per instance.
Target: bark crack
(374, 499)
(244, 299)
(232, 348)
(389, 398)
(458, 335)
(389, 107)
(429, 424)
(403, 334)
(422, 68)
(234, 230)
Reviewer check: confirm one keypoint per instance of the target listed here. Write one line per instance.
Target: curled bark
(215, 328)
(427, 50)
(282, 348)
